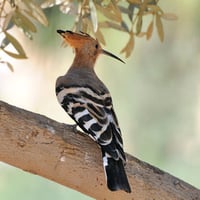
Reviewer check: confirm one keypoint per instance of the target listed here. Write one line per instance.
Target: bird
(88, 102)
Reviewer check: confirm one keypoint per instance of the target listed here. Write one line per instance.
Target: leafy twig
(90, 16)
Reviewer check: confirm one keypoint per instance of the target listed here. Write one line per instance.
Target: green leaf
(68, 8)
(7, 23)
(24, 22)
(125, 26)
(109, 24)
(139, 24)
(129, 46)
(131, 9)
(141, 34)
(35, 12)
(100, 36)
(154, 8)
(93, 14)
(16, 45)
(14, 55)
(115, 9)
(110, 12)
(8, 65)
(149, 30)
(48, 4)
(5, 42)
(159, 27)
(123, 10)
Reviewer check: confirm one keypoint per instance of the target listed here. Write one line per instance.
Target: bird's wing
(94, 113)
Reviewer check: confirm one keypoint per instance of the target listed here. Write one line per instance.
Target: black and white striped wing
(94, 113)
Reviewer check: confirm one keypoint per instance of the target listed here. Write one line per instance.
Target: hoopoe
(88, 102)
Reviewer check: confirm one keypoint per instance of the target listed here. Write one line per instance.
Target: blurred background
(156, 96)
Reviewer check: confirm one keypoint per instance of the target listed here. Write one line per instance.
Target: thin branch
(42, 146)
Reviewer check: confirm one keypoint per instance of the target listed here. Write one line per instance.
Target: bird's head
(85, 45)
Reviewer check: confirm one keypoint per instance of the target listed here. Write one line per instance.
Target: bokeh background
(156, 96)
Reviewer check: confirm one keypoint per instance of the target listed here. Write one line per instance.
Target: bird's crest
(78, 40)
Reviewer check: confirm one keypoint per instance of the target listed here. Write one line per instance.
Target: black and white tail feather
(93, 112)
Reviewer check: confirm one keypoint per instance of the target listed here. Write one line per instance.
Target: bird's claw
(76, 131)
(74, 128)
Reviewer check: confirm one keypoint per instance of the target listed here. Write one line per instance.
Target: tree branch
(42, 146)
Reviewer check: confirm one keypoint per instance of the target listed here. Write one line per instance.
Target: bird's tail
(115, 174)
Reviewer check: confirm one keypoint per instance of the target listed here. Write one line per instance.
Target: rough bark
(42, 146)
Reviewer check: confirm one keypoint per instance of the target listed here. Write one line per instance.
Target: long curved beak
(111, 55)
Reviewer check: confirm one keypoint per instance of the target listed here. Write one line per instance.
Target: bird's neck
(82, 60)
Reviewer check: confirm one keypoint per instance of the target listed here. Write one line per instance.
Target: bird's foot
(76, 130)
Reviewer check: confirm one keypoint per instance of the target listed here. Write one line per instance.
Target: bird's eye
(96, 46)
